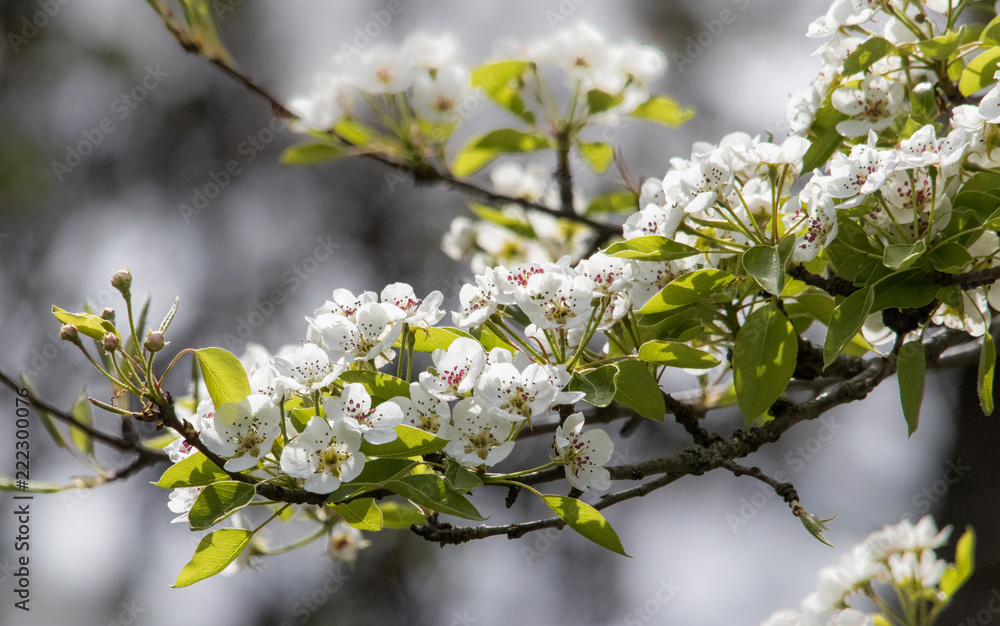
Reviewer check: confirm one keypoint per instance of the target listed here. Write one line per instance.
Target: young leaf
(767, 267)
(87, 323)
(597, 155)
(676, 354)
(636, 388)
(599, 101)
(409, 442)
(362, 514)
(587, 521)
(400, 515)
(846, 322)
(500, 82)
(865, 55)
(224, 376)
(901, 256)
(979, 72)
(910, 368)
(965, 563)
(214, 553)
(987, 363)
(311, 154)
(613, 202)
(218, 501)
(381, 387)
(688, 289)
(598, 384)
(651, 248)
(80, 438)
(431, 339)
(460, 479)
(432, 492)
(482, 150)
(516, 225)
(763, 360)
(663, 110)
(194, 471)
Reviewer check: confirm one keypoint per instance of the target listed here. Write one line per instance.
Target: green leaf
(663, 110)
(965, 564)
(400, 515)
(432, 492)
(198, 14)
(224, 376)
(598, 385)
(904, 290)
(951, 258)
(767, 266)
(676, 354)
(81, 438)
(846, 321)
(482, 150)
(501, 82)
(587, 521)
(410, 442)
(375, 474)
(688, 289)
(979, 72)
(381, 387)
(461, 479)
(214, 553)
(991, 32)
(865, 55)
(194, 471)
(47, 419)
(636, 388)
(613, 202)
(88, 324)
(597, 155)
(910, 367)
(362, 514)
(901, 256)
(763, 360)
(987, 363)
(824, 136)
(514, 224)
(311, 154)
(651, 248)
(218, 501)
(599, 101)
(490, 340)
(431, 339)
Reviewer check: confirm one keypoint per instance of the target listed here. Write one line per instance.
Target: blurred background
(711, 550)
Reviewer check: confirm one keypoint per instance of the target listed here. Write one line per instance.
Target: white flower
(925, 571)
(344, 543)
(370, 338)
(383, 69)
(478, 302)
(529, 182)
(861, 173)
(989, 106)
(852, 617)
(556, 299)
(460, 240)
(814, 222)
(243, 431)
(179, 449)
(419, 312)
(475, 436)
(576, 50)
(609, 275)
(872, 107)
(583, 455)
(844, 13)
(354, 406)
(346, 303)
(324, 454)
(923, 148)
(437, 98)
(422, 410)
(181, 501)
(330, 99)
(706, 180)
(307, 368)
(654, 220)
(458, 368)
(264, 379)
(652, 192)
(432, 52)
(514, 393)
(905, 537)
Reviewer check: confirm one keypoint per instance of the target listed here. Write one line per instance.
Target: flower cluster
(901, 556)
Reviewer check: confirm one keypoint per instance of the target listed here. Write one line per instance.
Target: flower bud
(108, 314)
(111, 343)
(122, 281)
(154, 342)
(69, 333)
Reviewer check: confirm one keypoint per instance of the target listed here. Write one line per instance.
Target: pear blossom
(853, 177)
(306, 368)
(925, 571)
(324, 454)
(331, 98)
(651, 192)
(852, 617)
(344, 543)
(422, 410)
(181, 501)
(844, 13)
(514, 389)
(383, 69)
(815, 222)
(905, 537)
(354, 406)
(458, 368)
(460, 240)
(432, 51)
(923, 148)
(556, 299)
(345, 303)
(369, 338)
(437, 98)
(528, 182)
(419, 312)
(609, 275)
(704, 181)
(243, 431)
(583, 454)
(475, 436)
(872, 107)
(478, 302)
(654, 219)
(989, 106)
(180, 449)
